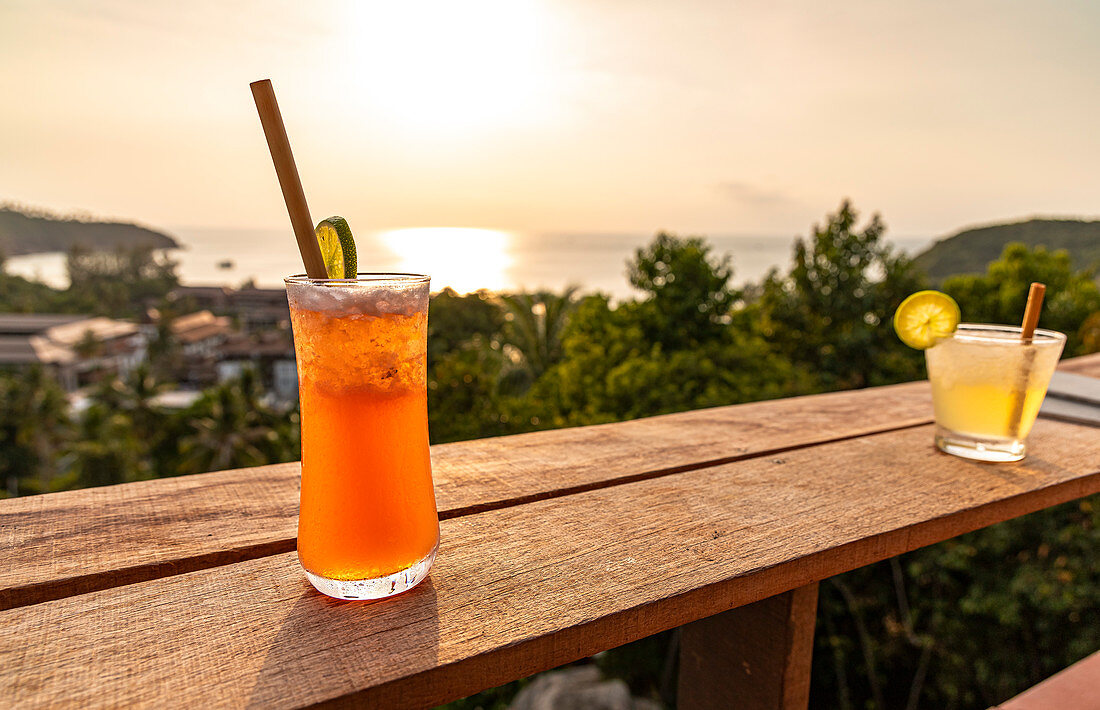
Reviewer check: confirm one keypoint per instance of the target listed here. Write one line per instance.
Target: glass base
(378, 588)
(978, 448)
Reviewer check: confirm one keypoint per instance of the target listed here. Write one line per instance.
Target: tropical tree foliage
(534, 324)
(231, 426)
(683, 345)
(34, 424)
(465, 400)
(123, 282)
(830, 314)
(999, 295)
(107, 451)
(454, 320)
(967, 623)
(688, 294)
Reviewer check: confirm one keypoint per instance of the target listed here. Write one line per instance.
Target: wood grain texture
(1075, 688)
(1083, 365)
(79, 541)
(526, 588)
(756, 657)
(511, 470)
(74, 542)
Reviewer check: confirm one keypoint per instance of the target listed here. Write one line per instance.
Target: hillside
(971, 250)
(24, 231)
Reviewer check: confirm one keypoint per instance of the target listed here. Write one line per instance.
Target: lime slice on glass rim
(925, 317)
(337, 247)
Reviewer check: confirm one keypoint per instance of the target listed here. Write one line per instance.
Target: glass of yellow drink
(368, 526)
(987, 385)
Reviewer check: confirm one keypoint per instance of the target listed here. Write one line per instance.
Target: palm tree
(231, 427)
(108, 452)
(165, 356)
(88, 346)
(34, 424)
(534, 326)
(121, 428)
(134, 397)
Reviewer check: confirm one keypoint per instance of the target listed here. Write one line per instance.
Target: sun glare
(445, 65)
(464, 259)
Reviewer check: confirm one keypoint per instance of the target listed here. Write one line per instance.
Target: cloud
(753, 196)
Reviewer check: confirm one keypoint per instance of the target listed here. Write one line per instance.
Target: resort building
(77, 349)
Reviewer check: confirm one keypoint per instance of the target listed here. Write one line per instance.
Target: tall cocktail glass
(368, 526)
(987, 386)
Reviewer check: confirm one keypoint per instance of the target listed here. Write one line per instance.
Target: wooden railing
(556, 545)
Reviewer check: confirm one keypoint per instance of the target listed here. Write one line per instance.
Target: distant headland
(971, 250)
(27, 230)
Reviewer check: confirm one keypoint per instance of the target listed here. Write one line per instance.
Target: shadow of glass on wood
(335, 646)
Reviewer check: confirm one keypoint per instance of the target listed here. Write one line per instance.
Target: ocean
(463, 259)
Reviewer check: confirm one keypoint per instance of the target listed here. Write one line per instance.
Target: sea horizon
(465, 260)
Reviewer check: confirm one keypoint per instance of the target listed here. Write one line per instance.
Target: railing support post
(754, 657)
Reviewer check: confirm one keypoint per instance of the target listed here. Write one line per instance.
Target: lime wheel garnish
(337, 247)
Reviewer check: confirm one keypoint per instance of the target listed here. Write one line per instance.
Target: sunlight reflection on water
(464, 259)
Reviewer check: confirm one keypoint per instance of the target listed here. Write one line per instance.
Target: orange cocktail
(368, 526)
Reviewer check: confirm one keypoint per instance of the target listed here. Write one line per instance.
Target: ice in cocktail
(368, 526)
(987, 386)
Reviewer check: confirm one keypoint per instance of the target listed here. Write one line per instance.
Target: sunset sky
(597, 116)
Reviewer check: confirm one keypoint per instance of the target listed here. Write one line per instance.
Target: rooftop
(201, 325)
(32, 323)
(17, 350)
(26, 339)
(100, 328)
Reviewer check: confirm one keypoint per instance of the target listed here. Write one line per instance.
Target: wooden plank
(1075, 388)
(1075, 688)
(511, 470)
(1083, 365)
(756, 657)
(79, 541)
(1069, 411)
(529, 587)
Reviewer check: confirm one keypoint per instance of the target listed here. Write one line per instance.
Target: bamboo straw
(1031, 311)
(1027, 333)
(291, 184)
